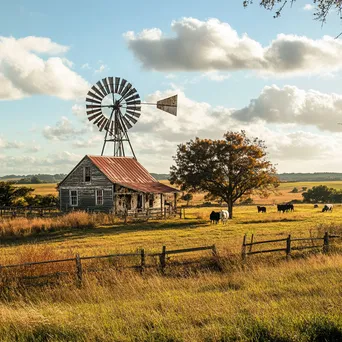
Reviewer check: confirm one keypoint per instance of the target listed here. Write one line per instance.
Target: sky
(232, 68)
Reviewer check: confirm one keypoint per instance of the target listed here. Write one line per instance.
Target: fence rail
(79, 269)
(288, 248)
(6, 211)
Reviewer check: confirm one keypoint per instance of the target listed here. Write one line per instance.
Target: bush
(247, 201)
(295, 190)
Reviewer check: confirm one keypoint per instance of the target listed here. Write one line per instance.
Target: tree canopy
(322, 194)
(322, 7)
(10, 193)
(226, 169)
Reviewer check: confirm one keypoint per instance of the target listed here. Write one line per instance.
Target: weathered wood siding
(86, 190)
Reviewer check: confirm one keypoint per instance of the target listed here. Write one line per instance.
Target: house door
(140, 202)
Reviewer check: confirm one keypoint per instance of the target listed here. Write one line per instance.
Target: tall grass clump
(19, 227)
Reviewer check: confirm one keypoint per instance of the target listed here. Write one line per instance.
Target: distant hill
(34, 179)
(310, 177)
(160, 176)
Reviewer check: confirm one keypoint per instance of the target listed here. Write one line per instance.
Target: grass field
(269, 299)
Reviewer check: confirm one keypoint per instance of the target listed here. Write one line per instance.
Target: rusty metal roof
(129, 173)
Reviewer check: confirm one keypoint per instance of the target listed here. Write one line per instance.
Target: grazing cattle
(285, 207)
(261, 209)
(316, 206)
(224, 216)
(327, 207)
(215, 217)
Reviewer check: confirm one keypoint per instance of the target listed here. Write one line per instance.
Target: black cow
(285, 207)
(215, 217)
(327, 207)
(316, 206)
(261, 209)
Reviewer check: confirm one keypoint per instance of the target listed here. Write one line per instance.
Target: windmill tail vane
(115, 106)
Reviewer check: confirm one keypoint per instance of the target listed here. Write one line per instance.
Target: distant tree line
(12, 195)
(322, 194)
(34, 179)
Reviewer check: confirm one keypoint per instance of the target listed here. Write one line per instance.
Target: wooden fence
(247, 247)
(13, 212)
(79, 269)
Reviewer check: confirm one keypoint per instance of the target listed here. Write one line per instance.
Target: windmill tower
(115, 106)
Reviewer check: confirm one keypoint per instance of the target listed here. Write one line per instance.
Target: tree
(320, 193)
(322, 7)
(295, 190)
(304, 188)
(187, 197)
(10, 193)
(226, 169)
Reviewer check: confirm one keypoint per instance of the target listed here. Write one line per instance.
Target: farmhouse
(114, 184)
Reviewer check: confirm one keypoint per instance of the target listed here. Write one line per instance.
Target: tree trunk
(230, 208)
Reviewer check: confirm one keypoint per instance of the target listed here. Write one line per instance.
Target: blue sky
(44, 126)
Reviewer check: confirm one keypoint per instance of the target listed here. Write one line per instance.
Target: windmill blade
(123, 82)
(127, 123)
(130, 118)
(131, 103)
(137, 115)
(99, 84)
(103, 124)
(95, 96)
(111, 85)
(104, 80)
(134, 108)
(133, 97)
(131, 92)
(117, 83)
(93, 111)
(93, 106)
(169, 105)
(128, 87)
(97, 91)
(99, 122)
(90, 118)
(98, 119)
(107, 125)
(88, 99)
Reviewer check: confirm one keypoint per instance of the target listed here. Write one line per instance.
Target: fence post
(78, 271)
(250, 247)
(243, 251)
(183, 213)
(288, 246)
(326, 243)
(162, 259)
(142, 263)
(180, 212)
(164, 212)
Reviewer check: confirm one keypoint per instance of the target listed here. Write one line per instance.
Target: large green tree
(10, 193)
(226, 169)
(322, 7)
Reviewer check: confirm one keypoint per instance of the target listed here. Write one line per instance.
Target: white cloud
(24, 72)
(101, 69)
(94, 141)
(292, 105)
(4, 144)
(214, 45)
(86, 66)
(63, 130)
(78, 110)
(215, 76)
(308, 7)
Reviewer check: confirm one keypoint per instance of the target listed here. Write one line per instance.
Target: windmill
(114, 106)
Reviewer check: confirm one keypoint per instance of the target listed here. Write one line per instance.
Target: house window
(86, 174)
(73, 198)
(99, 197)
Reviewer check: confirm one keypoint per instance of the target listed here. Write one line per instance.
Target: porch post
(175, 201)
(161, 204)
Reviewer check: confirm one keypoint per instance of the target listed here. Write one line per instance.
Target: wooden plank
(305, 247)
(37, 263)
(109, 256)
(269, 251)
(188, 250)
(268, 241)
(306, 239)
